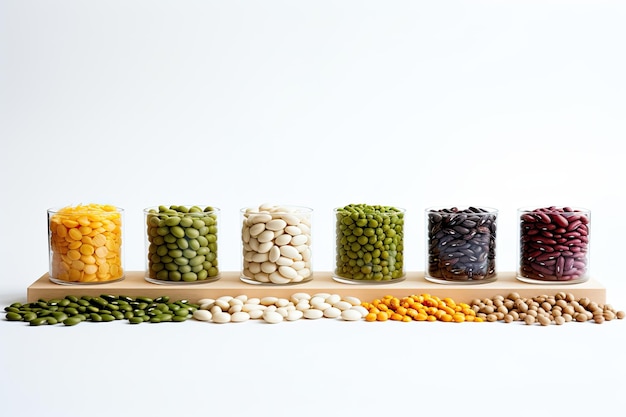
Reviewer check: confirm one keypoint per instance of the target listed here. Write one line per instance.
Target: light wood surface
(134, 285)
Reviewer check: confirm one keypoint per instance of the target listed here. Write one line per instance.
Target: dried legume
(553, 244)
(461, 244)
(106, 308)
(85, 243)
(276, 243)
(369, 243)
(557, 309)
(182, 244)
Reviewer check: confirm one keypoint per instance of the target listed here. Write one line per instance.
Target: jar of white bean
(276, 244)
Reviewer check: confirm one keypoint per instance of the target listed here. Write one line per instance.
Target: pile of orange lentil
(424, 307)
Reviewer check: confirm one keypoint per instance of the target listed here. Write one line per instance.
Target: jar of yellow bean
(85, 244)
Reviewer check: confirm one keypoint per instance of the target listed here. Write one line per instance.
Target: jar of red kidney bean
(553, 245)
(461, 245)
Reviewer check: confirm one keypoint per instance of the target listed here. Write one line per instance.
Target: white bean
(272, 317)
(276, 224)
(239, 317)
(352, 300)
(294, 315)
(351, 315)
(269, 300)
(202, 315)
(332, 312)
(313, 314)
(221, 317)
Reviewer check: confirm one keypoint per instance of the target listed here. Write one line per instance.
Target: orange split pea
(424, 307)
(85, 243)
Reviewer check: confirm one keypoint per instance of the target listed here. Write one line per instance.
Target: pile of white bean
(301, 305)
(276, 244)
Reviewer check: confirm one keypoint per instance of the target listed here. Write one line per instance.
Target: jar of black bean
(369, 244)
(181, 244)
(553, 245)
(461, 245)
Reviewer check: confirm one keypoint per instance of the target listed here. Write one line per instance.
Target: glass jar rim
(81, 208)
(488, 210)
(395, 209)
(554, 209)
(278, 209)
(155, 209)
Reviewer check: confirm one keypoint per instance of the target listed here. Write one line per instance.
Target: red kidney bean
(461, 244)
(554, 244)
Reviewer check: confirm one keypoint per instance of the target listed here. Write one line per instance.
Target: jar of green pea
(181, 244)
(369, 244)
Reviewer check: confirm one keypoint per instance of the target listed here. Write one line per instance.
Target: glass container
(461, 245)
(553, 245)
(85, 244)
(181, 244)
(369, 246)
(276, 245)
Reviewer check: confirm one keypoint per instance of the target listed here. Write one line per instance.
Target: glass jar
(85, 244)
(181, 244)
(369, 245)
(553, 245)
(276, 245)
(461, 245)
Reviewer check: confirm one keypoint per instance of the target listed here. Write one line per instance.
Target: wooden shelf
(134, 285)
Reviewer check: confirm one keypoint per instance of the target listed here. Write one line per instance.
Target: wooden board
(134, 285)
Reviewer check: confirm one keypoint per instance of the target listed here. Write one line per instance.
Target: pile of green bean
(370, 242)
(72, 310)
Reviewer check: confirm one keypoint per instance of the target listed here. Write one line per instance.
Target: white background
(317, 103)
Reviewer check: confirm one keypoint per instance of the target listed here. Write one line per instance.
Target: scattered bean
(547, 309)
(105, 308)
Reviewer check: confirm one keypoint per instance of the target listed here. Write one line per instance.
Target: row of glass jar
(181, 244)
